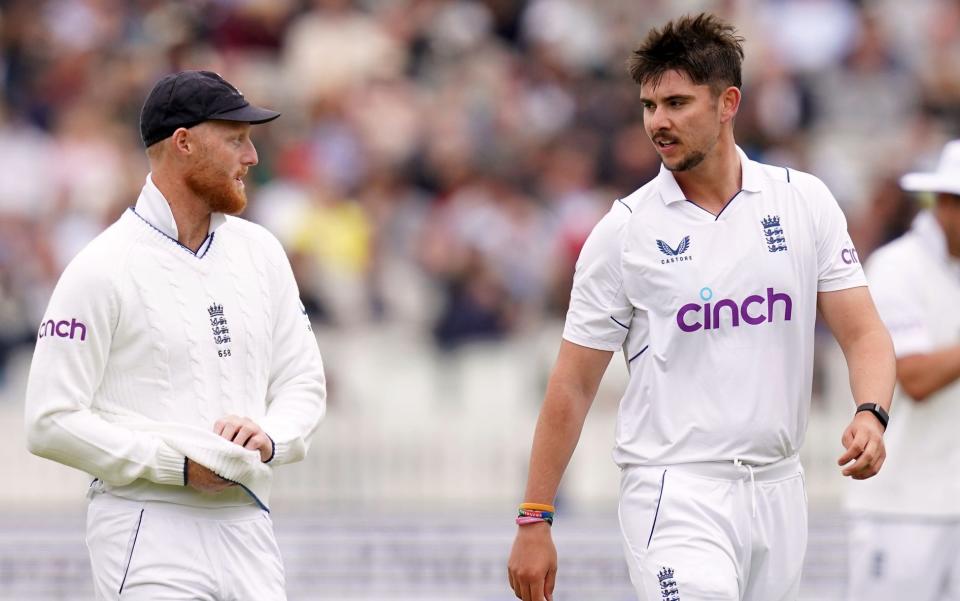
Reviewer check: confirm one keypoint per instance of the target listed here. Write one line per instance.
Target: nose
(656, 120)
(249, 156)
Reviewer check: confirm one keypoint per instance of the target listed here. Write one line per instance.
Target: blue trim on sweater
(177, 242)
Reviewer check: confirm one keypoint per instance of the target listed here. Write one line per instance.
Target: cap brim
(247, 114)
(930, 182)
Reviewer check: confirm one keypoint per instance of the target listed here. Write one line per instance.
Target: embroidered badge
(668, 586)
(675, 253)
(776, 241)
(221, 332)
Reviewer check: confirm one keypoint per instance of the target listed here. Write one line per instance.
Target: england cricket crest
(776, 242)
(668, 586)
(221, 332)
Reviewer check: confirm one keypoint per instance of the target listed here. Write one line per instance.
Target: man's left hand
(863, 441)
(246, 433)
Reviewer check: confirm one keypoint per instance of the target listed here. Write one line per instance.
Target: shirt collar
(154, 208)
(670, 190)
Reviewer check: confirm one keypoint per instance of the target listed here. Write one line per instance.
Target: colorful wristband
(537, 507)
(522, 521)
(531, 513)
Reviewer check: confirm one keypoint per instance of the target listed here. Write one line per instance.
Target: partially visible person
(905, 523)
(175, 364)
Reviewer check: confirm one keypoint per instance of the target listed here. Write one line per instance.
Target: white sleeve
(73, 346)
(600, 313)
(296, 392)
(892, 292)
(838, 266)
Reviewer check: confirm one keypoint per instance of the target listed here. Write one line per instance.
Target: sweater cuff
(169, 468)
(273, 449)
(286, 451)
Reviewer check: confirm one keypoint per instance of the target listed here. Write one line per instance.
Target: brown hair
(703, 47)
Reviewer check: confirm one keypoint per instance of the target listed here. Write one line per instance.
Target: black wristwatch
(879, 412)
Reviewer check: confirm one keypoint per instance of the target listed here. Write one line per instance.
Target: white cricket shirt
(714, 314)
(916, 286)
(145, 345)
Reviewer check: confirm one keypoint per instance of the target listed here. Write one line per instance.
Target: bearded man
(175, 365)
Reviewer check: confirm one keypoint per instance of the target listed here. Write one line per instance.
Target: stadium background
(437, 167)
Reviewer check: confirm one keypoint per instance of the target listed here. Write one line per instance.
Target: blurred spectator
(441, 162)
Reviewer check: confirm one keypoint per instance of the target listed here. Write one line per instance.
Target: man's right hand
(532, 567)
(203, 479)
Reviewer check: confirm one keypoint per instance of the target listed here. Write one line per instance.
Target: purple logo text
(63, 329)
(849, 256)
(753, 310)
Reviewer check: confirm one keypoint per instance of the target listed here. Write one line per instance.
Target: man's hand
(246, 433)
(203, 479)
(532, 567)
(863, 440)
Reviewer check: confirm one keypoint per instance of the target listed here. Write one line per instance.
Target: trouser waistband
(736, 470)
(241, 512)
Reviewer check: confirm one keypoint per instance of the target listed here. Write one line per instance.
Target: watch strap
(878, 411)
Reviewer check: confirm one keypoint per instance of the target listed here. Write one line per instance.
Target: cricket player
(708, 279)
(176, 366)
(905, 523)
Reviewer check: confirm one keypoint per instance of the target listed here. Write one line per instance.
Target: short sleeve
(600, 313)
(838, 265)
(891, 290)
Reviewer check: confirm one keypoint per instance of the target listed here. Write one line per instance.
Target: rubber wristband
(524, 520)
(537, 507)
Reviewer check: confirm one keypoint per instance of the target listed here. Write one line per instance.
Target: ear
(182, 141)
(729, 104)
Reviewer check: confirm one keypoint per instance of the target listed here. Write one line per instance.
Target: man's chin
(685, 163)
(673, 164)
(231, 206)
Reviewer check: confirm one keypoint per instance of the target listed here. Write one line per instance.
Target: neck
(190, 212)
(716, 180)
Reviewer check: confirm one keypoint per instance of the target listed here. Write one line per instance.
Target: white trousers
(155, 551)
(900, 558)
(718, 531)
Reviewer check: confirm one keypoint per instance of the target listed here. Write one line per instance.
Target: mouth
(664, 143)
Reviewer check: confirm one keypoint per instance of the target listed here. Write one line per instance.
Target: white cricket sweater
(145, 345)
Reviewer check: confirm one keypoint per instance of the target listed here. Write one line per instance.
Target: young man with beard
(708, 279)
(176, 366)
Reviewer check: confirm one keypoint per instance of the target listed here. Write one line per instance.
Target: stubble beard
(216, 188)
(688, 162)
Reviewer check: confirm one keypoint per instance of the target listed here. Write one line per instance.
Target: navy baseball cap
(189, 98)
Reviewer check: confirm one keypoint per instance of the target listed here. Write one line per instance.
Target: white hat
(945, 179)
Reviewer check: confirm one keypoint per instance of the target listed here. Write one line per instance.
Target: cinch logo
(849, 256)
(707, 316)
(63, 329)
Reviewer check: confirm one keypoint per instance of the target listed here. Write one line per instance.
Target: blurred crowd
(440, 162)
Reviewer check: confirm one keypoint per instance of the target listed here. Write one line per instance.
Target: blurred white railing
(407, 425)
